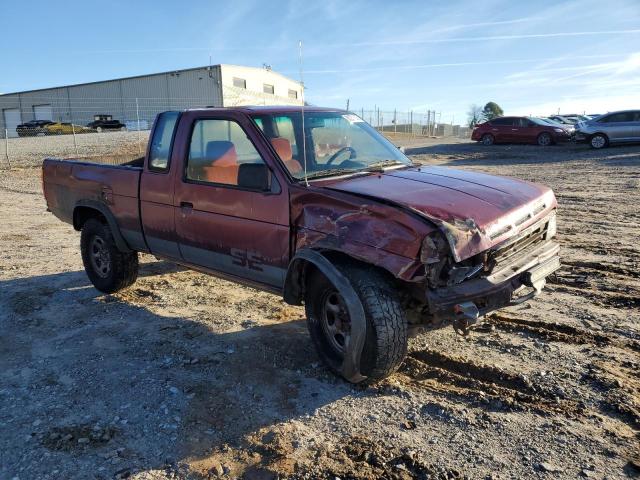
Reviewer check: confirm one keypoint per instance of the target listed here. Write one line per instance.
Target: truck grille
(528, 240)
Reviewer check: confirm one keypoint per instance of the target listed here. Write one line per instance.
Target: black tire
(487, 139)
(544, 139)
(598, 141)
(386, 337)
(108, 268)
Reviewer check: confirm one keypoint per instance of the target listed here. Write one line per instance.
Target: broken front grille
(518, 246)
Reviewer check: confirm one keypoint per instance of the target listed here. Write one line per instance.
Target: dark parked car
(375, 247)
(519, 130)
(611, 128)
(33, 128)
(105, 122)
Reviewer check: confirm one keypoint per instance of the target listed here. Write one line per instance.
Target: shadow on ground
(159, 388)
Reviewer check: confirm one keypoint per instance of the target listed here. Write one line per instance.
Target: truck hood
(475, 211)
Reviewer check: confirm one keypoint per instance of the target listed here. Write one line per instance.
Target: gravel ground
(187, 376)
(105, 147)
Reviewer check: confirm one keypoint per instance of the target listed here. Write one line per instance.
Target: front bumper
(512, 284)
(581, 137)
(563, 137)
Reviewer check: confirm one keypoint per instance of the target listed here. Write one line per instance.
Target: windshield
(546, 121)
(543, 121)
(336, 143)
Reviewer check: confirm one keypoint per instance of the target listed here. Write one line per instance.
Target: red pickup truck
(320, 208)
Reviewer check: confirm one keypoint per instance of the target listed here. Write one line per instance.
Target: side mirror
(254, 176)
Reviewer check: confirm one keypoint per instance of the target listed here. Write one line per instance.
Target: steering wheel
(352, 155)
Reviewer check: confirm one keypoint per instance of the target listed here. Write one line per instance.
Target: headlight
(559, 130)
(552, 227)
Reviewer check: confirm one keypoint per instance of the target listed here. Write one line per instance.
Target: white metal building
(136, 100)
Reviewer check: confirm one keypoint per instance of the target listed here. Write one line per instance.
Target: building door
(43, 112)
(12, 119)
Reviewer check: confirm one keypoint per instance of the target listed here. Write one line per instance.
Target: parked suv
(519, 130)
(610, 128)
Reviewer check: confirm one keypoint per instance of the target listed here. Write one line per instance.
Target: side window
(502, 122)
(161, 142)
(618, 117)
(218, 151)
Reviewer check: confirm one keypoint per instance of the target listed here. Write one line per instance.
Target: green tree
(492, 110)
(474, 115)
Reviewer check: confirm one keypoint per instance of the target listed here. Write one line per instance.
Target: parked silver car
(610, 128)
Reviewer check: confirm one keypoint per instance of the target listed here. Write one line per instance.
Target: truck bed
(70, 185)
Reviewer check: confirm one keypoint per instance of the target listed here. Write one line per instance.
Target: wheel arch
(86, 209)
(591, 135)
(308, 259)
(299, 266)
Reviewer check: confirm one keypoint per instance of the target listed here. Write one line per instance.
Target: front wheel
(329, 323)
(487, 139)
(598, 141)
(108, 268)
(544, 139)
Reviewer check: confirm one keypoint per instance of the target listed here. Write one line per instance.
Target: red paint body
(518, 130)
(251, 236)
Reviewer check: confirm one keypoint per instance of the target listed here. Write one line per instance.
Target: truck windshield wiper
(331, 172)
(379, 166)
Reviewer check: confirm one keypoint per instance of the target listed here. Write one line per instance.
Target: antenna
(304, 137)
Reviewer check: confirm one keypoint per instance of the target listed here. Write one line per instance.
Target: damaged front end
(512, 272)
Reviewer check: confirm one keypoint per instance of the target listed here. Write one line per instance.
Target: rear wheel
(544, 139)
(108, 268)
(487, 139)
(98, 129)
(598, 141)
(330, 326)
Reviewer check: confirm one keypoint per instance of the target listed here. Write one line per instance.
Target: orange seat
(282, 147)
(224, 163)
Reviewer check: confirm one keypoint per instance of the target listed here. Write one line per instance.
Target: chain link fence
(407, 123)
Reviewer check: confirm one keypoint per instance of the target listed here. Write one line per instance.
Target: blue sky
(529, 57)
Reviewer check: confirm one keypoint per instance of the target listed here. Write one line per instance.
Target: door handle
(186, 208)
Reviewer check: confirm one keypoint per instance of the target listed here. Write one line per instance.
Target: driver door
(227, 220)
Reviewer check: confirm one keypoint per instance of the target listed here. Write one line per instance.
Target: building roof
(144, 75)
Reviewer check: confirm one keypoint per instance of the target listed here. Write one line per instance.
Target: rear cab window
(162, 141)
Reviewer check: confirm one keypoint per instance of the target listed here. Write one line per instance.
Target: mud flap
(350, 368)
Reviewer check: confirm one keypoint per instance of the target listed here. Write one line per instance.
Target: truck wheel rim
(597, 141)
(100, 257)
(335, 320)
